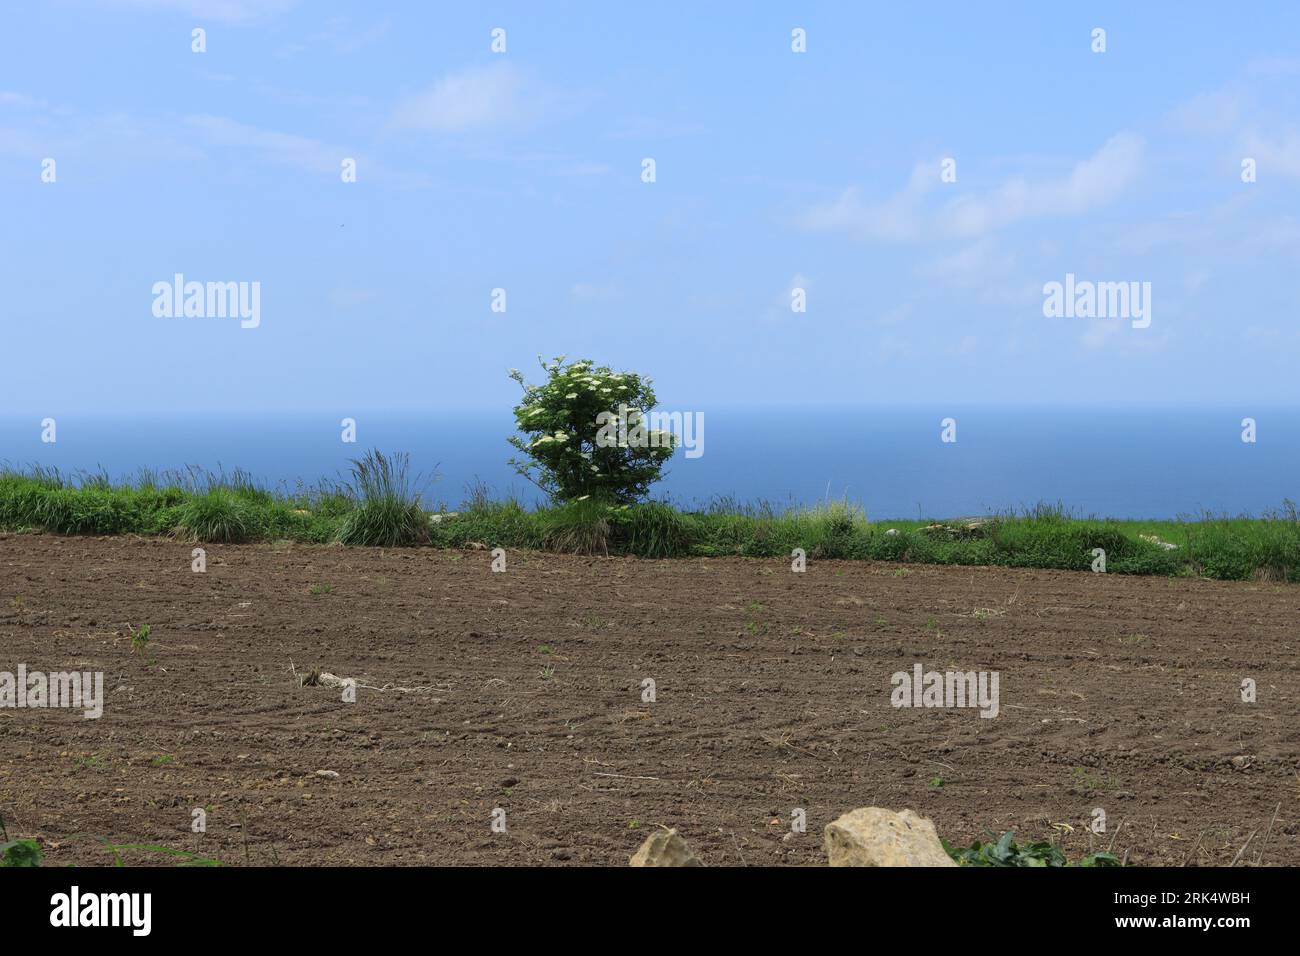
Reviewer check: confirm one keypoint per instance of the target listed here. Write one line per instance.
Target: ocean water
(1150, 463)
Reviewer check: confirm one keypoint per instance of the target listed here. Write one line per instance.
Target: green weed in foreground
(580, 526)
(140, 638)
(20, 853)
(28, 852)
(379, 506)
(651, 530)
(17, 852)
(1006, 852)
(181, 857)
(217, 516)
(118, 851)
(388, 511)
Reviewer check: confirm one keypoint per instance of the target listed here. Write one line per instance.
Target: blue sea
(1113, 462)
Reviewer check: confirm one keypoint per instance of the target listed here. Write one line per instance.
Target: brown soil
(523, 690)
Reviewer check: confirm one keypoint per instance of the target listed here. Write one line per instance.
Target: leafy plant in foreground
(17, 852)
(1006, 852)
(20, 853)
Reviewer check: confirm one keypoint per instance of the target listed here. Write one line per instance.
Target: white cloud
(19, 142)
(972, 265)
(966, 345)
(283, 148)
(1195, 281)
(1096, 181)
(592, 292)
(1100, 332)
(797, 281)
(908, 216)
(1248, 121)
(115, 137)
(777, 309)
(585, 169)
(649, 128)
(1276, 154)
(20, 100)
(896, 315)
(1274, 66)
(299, 152)
(1207, 114)
(339, 35)
(899, 218)
(476, 98)
(348, 298)
(226, 11)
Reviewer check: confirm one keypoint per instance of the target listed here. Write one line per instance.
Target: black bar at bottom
(333, 905)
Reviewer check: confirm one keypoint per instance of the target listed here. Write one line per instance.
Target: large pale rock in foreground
(665, 848)
(874, 836)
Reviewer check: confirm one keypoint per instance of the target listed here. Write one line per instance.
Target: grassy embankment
(380, 506)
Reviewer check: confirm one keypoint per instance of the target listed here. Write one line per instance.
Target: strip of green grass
(380, 507)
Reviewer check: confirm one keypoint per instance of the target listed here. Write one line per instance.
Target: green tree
(584, 433)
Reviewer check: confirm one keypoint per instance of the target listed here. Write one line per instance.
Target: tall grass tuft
(580, 526)
(1241, 549)
(840, 528)
(504, 523)
(388, 512)
(217, 516)
(651, 530)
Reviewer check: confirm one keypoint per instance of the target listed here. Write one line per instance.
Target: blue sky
(522, 171)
